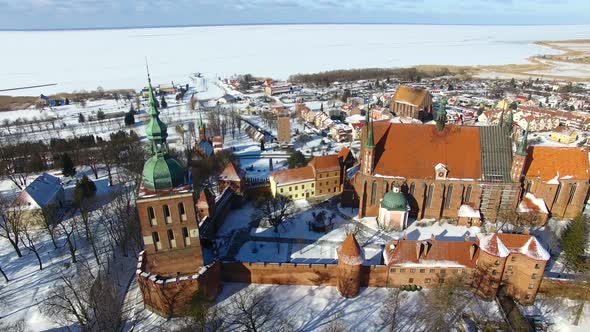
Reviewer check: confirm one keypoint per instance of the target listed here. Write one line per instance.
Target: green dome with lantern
(160, 171)
(394, 200)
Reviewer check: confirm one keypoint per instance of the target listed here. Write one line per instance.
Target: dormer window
(440, 171)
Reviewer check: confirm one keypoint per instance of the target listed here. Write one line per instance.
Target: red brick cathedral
(443, 169)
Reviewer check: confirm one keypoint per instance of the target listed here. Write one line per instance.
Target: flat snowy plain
(86, 59)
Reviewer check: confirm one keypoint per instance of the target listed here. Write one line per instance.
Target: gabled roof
(408, 95)
(41, 190)
(325, 163)
(412, 150)
(503, 244)
(548, 162)
(294, 175)
(343, 153)
(232, 173)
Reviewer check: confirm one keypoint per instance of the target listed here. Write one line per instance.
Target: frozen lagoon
(86, 59)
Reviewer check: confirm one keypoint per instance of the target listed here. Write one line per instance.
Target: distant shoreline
(146, 27)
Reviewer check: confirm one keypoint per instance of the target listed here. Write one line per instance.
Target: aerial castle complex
(463, 174)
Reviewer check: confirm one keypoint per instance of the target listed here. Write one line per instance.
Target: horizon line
(279, 24)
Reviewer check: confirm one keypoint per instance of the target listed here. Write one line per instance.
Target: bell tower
(519, 158)
(368, 157)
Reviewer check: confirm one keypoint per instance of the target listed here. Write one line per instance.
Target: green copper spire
(441, 114)
(522, 147)
(160, 171)
(200, 120)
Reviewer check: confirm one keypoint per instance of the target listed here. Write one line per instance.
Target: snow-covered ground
(115, 58)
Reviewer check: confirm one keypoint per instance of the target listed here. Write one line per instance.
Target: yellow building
(296, 183)
(563, 135)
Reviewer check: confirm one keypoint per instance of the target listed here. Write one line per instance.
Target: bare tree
(120, 220)
(68, 228)
(203, 316)
(48, 217)
(391, 311)
(276, 210)
(4, 275)
(82, 299)
(11, 215)
(30, 239)
(252, 310)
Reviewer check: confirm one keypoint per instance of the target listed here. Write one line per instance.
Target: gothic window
(556, 194)
(181, 211)
(572, 192)
(468, 193)
(429, 195)
(374, 193)
(412, 188)
(170, 238)
(156, 239)
(528, 187)
(449, 196)
(385, 186)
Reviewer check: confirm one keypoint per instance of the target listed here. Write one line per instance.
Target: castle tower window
(167, 216)
(152, 216)
(171, 241)
(181, 211)
(156, 239)
(185, 237)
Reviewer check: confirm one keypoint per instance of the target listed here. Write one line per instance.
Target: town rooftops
(552, 164)
(503, 244)
(409, 95)
(470, 153)
(232, 173)
(532, 204)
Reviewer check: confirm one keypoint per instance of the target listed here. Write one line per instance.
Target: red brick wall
(280, 273)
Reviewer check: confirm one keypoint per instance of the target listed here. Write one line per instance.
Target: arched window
(374, 193)
(171, 242)
(167, 217)
(185, 237)
(412, 188)
(429, 195)
(449, 196)
(152, 216)
(386, 186)
(181, 211)
(156, 239)
(468, 194)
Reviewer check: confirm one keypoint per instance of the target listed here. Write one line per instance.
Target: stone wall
(172, 296)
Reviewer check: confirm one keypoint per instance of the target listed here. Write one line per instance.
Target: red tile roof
(232, 173)
(445, 253)
(295, 175)
(325, 163)
(547, 162)
(412, 150)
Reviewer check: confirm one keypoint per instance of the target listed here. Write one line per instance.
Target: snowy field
(115, 58)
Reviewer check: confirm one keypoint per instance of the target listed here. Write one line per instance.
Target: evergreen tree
(67, 165)
(85, 189)
(573, 244)
(296, 159)
(129, 118)
(163, 102)
(81, 118)
(100, 115)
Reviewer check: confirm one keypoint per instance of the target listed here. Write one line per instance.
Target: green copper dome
(394, 201)
(162, 172)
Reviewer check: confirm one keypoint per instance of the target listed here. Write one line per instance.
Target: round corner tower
(350, 260)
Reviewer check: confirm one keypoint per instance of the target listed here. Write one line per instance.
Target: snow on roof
(467, 211)
(41, 190)
(530, 203)
(491, 244)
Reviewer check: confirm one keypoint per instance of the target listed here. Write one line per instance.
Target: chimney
(472, 249)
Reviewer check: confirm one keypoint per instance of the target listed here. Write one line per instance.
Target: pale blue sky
(65, 14)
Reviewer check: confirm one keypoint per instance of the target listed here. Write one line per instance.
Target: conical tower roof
(156, 130)
(350, 252)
